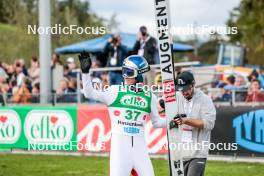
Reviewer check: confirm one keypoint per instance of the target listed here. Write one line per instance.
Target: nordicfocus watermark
(72, 145)
(191, 29)
(138, 86)
(67, 30)
(205, 145)
(183, 146)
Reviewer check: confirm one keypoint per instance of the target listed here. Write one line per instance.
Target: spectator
(19, 73)
(227, 88)
(2, 71)
(146, 46)
(13, 86)
(63, 92)
(2, 80)
(23, 94)
(35, 93)
(104, 79)
(158, 86)
(230, 83)
(2, 100)
(71, 66)
(240, 82)
(24, 69)
(72, 85)
(116, 53)
(256, 75)
(261, 79)
(10, 70)
(65, 70)
(255, 94)
(63, 87)
(96, 64)
(34, 70)
(240, 87)
(56, 71)
(253, 75)
(56, 59)
(3, 89)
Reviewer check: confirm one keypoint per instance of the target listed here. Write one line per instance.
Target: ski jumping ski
(167, 72)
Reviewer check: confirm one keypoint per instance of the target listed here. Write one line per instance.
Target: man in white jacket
(200, 114)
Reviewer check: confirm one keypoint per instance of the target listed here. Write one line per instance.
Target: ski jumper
(128, 111)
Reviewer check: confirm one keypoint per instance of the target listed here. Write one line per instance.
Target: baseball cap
(184, 81)
(70, 60)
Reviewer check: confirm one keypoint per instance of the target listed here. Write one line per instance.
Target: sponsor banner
(88, 128)
(243, 125)
(133, 100)
(93, 128)
(38, 128)
(10, 128)
(94, 131)
(169, 92)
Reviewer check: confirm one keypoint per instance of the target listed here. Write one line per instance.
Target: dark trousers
(194, 167)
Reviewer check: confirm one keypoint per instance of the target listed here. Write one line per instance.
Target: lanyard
(188, 107)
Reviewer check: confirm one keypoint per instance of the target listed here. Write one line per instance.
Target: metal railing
(230, 97)
(69, 98)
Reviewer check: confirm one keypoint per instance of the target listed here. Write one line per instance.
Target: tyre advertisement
(241, 125)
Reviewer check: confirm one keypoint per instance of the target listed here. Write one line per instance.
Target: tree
(208, 51)
(248, 17)
(16, 15)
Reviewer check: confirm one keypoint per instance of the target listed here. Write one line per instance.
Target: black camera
(115, 40)
(173, 124)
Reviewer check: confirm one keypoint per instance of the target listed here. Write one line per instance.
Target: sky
(131, 14)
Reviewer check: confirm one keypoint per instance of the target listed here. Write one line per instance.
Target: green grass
(50, 165)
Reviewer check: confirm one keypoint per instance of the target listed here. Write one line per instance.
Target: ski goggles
(129, 72)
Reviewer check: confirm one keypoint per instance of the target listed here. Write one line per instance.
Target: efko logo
(48, 126)
(135, 101)
(10, 127)
(250, 130)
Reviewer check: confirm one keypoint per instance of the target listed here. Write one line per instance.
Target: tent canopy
(98, 44)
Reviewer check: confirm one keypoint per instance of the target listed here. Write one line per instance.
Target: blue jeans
(115, 78)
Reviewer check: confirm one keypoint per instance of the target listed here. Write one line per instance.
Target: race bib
(127, 121)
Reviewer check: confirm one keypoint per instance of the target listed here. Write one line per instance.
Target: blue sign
(249, 130)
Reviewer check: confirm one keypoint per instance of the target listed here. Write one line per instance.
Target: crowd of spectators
(18, 83)
(21, 84)
(244, 89)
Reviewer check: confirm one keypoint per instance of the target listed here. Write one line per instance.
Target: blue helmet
(134, 66)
